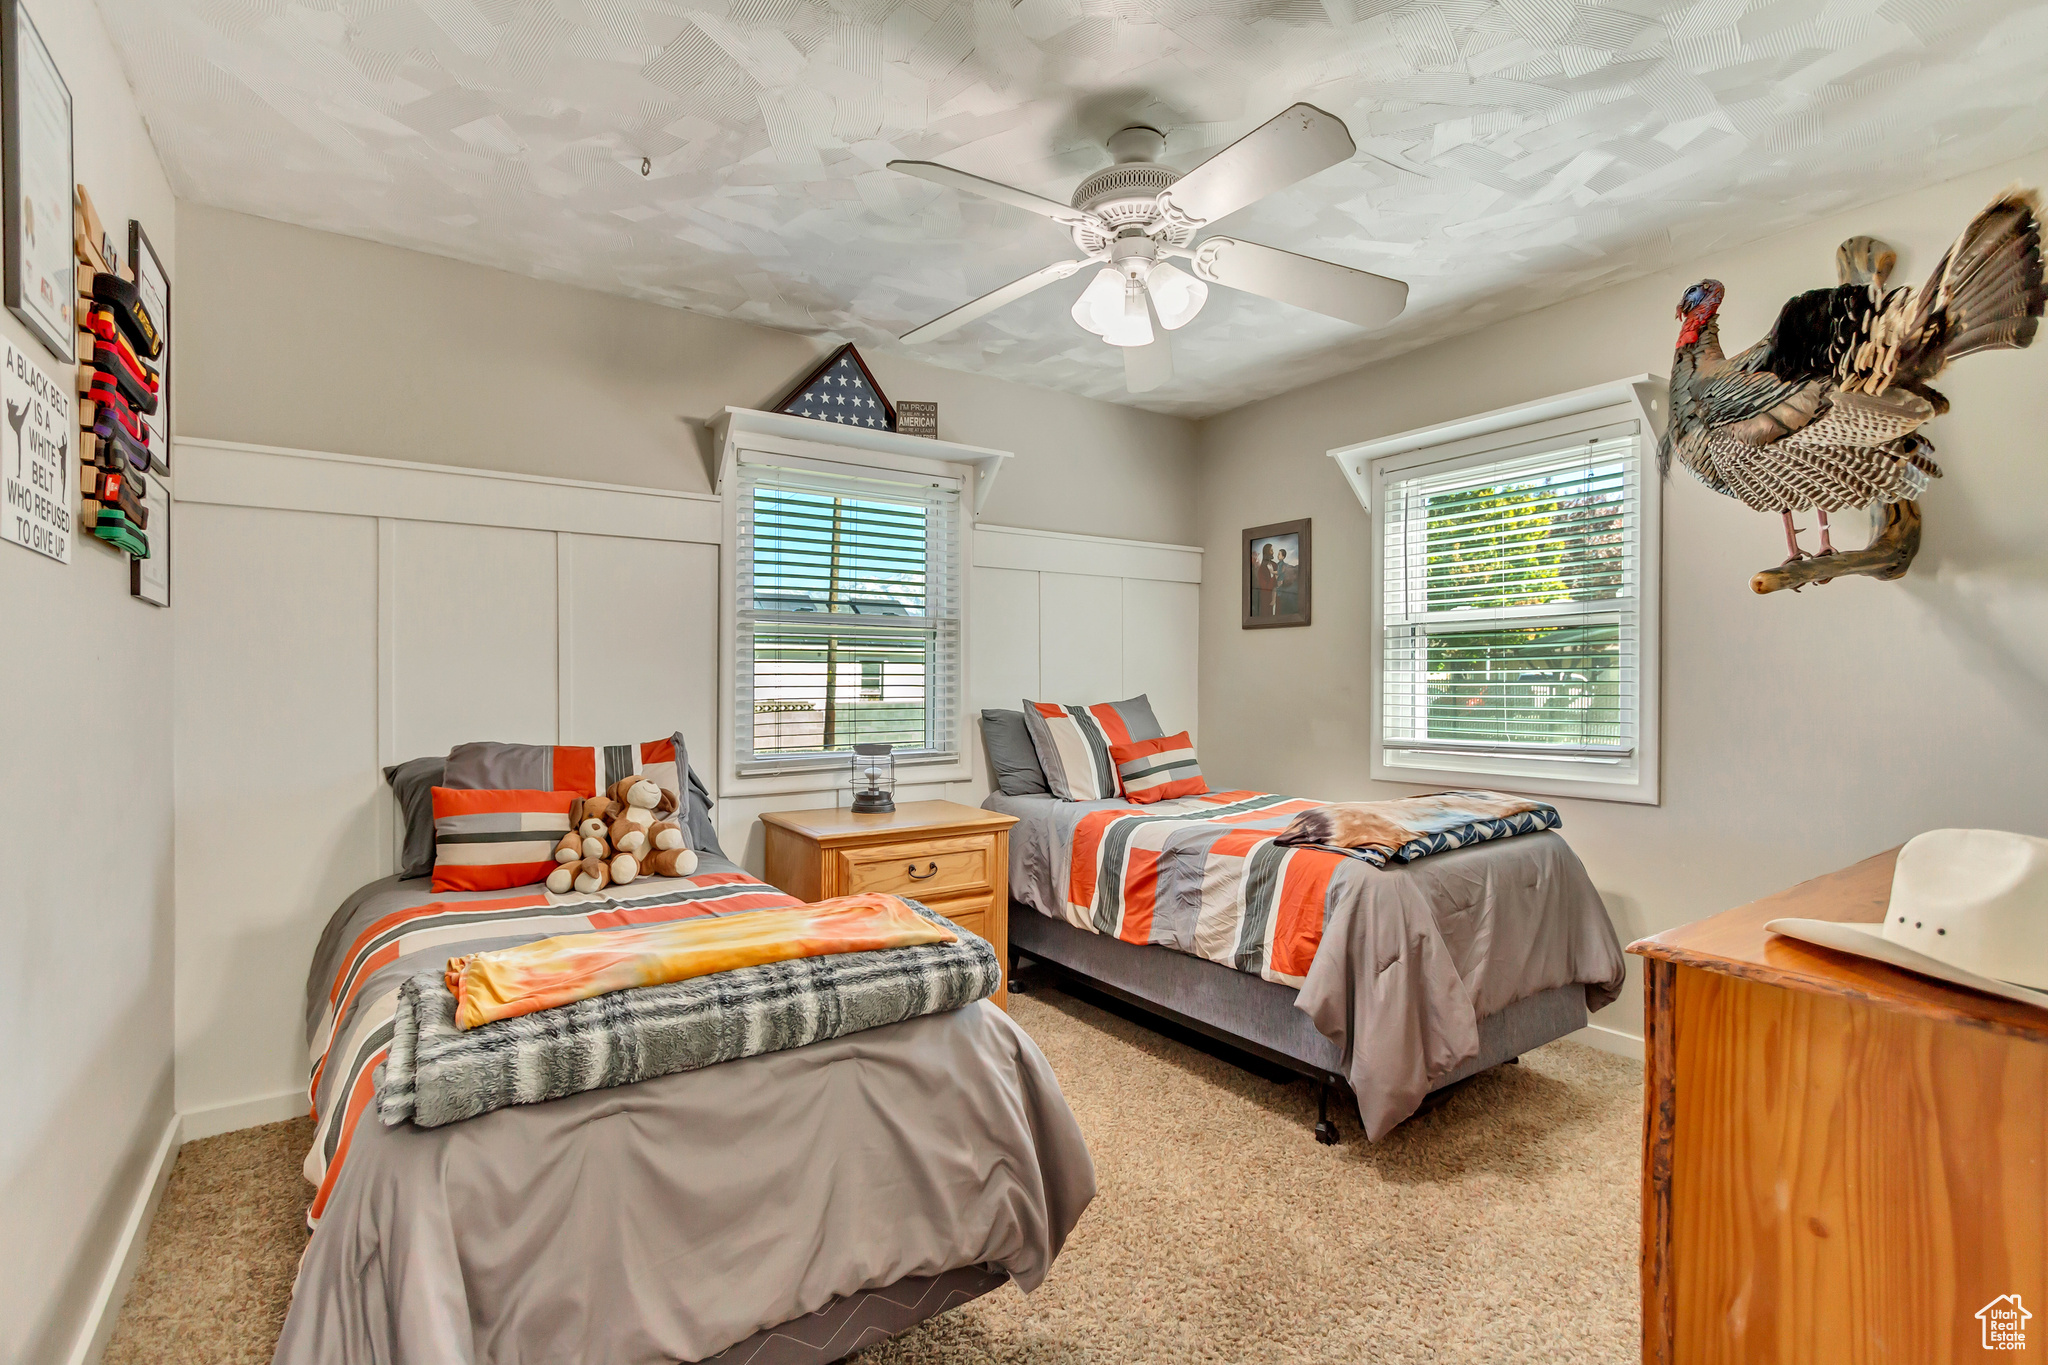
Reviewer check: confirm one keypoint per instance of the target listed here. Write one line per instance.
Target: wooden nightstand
(953, 858)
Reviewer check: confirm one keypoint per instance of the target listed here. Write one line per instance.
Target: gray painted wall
(85, 828)
(293, 337)
(1800, 732)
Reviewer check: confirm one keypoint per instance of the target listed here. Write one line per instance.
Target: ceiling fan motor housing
(1125, 195)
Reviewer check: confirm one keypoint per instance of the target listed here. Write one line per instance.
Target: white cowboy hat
(1969, 906)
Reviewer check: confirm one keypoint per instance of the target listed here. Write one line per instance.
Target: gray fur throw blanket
(438, 1074)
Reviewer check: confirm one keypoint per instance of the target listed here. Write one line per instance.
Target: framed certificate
(150, 579)
(35, 128)
(154, 285)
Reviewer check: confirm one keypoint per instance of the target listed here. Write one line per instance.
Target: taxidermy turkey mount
(1825, 413)
(1135, 217)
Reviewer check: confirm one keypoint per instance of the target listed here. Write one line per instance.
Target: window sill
(824, 777)
(1630, 782)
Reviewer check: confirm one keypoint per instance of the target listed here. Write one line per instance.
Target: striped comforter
(1204, 875)
(391, 930)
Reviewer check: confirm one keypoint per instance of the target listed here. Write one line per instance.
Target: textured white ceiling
(1511, 152)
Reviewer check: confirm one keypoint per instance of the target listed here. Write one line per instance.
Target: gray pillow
(413, 783)
(1011, 758)
(703, 833)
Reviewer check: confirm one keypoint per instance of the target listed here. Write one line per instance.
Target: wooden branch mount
(1888, 556)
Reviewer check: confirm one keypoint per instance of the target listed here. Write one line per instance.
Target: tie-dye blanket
(551, 972)
(1242, 878)
(1411, 827)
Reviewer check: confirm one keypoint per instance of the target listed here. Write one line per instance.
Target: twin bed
(791, 1207)
(1394, 981)
(780, 1209)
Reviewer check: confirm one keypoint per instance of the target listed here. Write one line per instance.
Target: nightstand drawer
(923, 870)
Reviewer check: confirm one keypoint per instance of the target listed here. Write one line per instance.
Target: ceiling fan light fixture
(1132, 325)
(1102, 303)
(1176, 295)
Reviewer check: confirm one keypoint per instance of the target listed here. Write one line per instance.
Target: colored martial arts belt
(131, 315)
(108, 360)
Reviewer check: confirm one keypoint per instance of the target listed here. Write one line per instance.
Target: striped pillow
(583, 769)
(1073, 743)
(1159, 769)
(489, 840)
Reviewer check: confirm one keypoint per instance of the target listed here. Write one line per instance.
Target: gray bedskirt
(1246, 1009)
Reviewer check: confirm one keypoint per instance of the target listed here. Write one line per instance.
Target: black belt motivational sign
(37, 501)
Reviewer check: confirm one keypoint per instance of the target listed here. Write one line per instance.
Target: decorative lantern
(874, 779)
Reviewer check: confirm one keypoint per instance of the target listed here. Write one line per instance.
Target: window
(1515, 631)
(848, 614)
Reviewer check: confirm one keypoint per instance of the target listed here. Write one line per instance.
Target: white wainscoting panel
(474, 652)
(1161, 648)
(280, 807)
(1080, 637)
(1072, 618)
(656, 601)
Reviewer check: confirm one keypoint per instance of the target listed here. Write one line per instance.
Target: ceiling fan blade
(994, 299)
(1149, 367)
(1324, 287)
(1002, 194)
(1286, 149)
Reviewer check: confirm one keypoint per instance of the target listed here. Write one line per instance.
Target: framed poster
(35, 139)
(1276, 571)
(150, 579)
(154, 285)
(38, 460)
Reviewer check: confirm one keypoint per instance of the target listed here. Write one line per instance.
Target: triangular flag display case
(841, 390)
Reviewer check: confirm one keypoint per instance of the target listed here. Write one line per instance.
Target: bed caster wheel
(1326, 1132)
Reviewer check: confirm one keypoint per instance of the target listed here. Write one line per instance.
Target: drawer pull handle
(931, 870)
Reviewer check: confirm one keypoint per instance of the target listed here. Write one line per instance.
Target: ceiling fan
(1136, 216)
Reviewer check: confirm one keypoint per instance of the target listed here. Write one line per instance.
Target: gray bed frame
(1257, 1016)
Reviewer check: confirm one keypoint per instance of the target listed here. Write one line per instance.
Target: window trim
(1638, 399)
(794, 775)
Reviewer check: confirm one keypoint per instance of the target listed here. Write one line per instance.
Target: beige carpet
(1499, 1227)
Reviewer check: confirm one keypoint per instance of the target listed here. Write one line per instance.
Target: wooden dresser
(952, 858)
(1842, 1162)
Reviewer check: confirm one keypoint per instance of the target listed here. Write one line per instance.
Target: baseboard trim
(253, 1113)
(127, 1258)
(1610, 1040)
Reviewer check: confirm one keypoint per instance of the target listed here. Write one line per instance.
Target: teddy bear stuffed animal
(588, 831)
(588, 874)
(638, 804)
(645, 840)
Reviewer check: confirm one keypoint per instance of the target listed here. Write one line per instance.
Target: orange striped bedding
(506, 982)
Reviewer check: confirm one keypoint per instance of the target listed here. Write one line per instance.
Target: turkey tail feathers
(1986, 294)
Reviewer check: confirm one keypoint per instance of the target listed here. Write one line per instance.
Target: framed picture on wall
(1276, 566)
(154, 284)
(35, 140)
(150, 579)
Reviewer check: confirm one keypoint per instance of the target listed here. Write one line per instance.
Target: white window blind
(1510, 609)
(848, 588)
